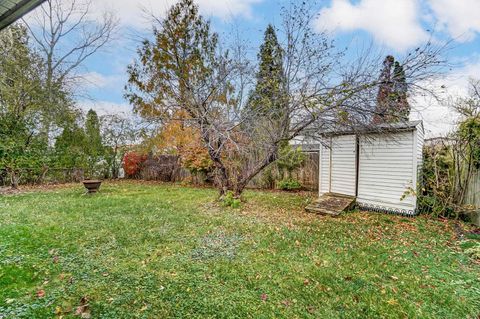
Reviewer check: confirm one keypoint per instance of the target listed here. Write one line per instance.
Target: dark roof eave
(21, 8)
(377, 129)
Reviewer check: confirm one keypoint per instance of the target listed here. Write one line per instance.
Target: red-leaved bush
(132, 162)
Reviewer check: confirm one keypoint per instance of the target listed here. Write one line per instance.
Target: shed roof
(12, 10)
(375, 129)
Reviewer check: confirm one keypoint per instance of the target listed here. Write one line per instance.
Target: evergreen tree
(384, 91)
(402, 108)
(94, 147)
(92, 130)
(269, 97)
(268, 102)
(70, 147)
(392, 103)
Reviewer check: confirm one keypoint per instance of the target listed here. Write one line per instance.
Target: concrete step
(331, 204)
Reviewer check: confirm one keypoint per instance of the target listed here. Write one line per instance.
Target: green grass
(157, 251)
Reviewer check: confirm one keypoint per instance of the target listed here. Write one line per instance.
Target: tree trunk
(247, 177)
(13, 179)
(221, 174)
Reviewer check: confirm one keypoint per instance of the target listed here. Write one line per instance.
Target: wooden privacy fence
(306, 174)
(44, 175)
(472, 194)
(167, 168)
(164, 168)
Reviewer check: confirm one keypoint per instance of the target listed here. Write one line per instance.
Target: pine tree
(92, 130)
(384, 91)
(392, 102)
(268, 97)
(402, 108)
(70, 147)
(94, 147)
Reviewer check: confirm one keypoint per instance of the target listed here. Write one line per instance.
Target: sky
(392, 26)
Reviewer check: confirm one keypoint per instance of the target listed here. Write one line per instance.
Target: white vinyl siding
(419, 148)
(386, 170)
(324, 168)
(343, 161)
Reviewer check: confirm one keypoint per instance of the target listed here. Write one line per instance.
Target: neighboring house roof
(378, 128)
(12, 10)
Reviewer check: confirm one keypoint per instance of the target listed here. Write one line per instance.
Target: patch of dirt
(9, 191)
(217, 245)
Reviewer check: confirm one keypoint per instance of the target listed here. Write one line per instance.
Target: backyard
(150, 250)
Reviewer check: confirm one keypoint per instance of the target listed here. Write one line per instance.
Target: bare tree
(184, 69)
(66, 35)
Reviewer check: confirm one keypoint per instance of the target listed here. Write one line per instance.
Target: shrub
(289, 184)
(290, 159)
(132, 163)
(229, 200)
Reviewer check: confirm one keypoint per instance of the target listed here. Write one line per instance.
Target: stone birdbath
(92, 185)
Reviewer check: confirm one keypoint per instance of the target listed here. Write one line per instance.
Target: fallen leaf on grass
(286, 303)
(83, 310)
(392, 302)
(58, 310)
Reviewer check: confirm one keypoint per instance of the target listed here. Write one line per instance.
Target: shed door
(343, 165)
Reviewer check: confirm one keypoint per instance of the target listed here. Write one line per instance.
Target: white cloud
(95, 80)
(438, 118)
(394, 23)
(105, 107)
(460, 18)
(136, 13)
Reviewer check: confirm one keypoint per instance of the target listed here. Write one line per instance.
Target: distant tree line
(41, 126)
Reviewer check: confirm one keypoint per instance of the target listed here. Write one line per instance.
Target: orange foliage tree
(177, 137)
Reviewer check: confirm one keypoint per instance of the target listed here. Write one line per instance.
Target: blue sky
(393, 26)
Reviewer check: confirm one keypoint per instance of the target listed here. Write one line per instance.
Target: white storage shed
(378, 166)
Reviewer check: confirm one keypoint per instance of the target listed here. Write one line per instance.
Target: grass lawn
(157, 251)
